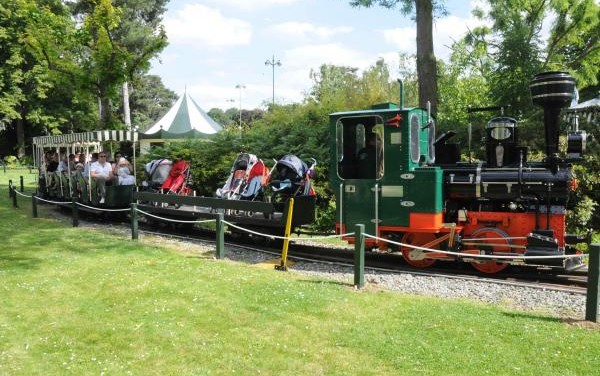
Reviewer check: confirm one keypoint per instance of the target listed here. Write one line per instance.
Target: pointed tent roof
(185, 119)
(590, 109)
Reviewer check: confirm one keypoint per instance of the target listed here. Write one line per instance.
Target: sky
(216, 45)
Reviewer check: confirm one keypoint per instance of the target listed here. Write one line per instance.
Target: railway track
(542, 278)
(394, 263)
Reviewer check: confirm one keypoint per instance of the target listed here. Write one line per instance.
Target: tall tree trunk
(426, 63)
(104, 111)
(126, 111)
(20, 138)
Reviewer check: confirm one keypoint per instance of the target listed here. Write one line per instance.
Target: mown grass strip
(82, 301)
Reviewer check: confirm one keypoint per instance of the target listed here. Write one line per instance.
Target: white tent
(588, 110)
(185, 119)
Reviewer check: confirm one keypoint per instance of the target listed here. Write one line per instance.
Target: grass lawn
(83, 301)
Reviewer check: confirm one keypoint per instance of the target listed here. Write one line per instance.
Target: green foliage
(149, 100)
(11, 161)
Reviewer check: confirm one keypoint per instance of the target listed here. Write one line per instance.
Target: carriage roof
(85, 138)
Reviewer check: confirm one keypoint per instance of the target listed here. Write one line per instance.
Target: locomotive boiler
(418, 198)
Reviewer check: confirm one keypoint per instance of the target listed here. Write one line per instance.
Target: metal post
(34, 211)
(286, 241)
(134, 222)
(75, 213)
(22, 188)
(220, 251)
(359, 256)
(10, 192)
(593, 287)
(273, 63)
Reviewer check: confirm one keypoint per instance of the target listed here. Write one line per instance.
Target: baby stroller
(157, 172)
(178, 179)
(291, 177)
(248, 175)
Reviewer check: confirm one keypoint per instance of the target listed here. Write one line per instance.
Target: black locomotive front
(507, 180)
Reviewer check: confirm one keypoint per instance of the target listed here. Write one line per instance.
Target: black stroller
(291, 177)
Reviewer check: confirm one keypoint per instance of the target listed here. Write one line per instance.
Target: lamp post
(241, 87)
(273, 63)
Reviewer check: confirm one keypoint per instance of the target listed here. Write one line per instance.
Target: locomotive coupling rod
(286, 242)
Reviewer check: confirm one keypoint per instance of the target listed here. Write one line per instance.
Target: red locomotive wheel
(498, 242)
(414, 257)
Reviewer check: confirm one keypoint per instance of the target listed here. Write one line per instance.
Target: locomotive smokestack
(553, 91)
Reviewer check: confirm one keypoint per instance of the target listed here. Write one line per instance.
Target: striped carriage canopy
(84, 138)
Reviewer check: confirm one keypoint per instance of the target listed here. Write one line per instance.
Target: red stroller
(178, 179)
(248, 175)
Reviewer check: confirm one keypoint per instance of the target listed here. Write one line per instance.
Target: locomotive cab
(381, 170)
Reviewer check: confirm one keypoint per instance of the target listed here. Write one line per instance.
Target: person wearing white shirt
(102, 172)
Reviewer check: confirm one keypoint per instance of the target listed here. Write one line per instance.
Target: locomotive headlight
(500, 133)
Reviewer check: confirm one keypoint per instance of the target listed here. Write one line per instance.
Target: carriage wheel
(498, 243)
(415, 257)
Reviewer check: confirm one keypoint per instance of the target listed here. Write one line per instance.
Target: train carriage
(71, 184)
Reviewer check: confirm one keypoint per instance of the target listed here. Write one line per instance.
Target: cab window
(360, 147)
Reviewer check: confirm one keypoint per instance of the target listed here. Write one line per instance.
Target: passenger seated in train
(123, 172)
(102, 173)
(86, 166)
(370, 158)
(67, 164)
(51, 161)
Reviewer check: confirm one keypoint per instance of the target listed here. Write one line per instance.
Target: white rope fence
(470, 241)
(284, 237)
(53, 202)
(69, 203)
(469, 255)
(20, 194)
(173, 220)
(102, 209)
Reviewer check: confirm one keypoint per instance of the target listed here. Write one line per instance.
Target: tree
(150, 100)
(426, 61)
(37, 97)
(120, 39)
(515, 48)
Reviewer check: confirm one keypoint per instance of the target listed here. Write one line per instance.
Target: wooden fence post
(75, 213)
(359, 256)
(34, 211)
(220, 251)
(134, 222)
(593, 287)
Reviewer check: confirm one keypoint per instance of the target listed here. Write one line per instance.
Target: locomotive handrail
(469, 255)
